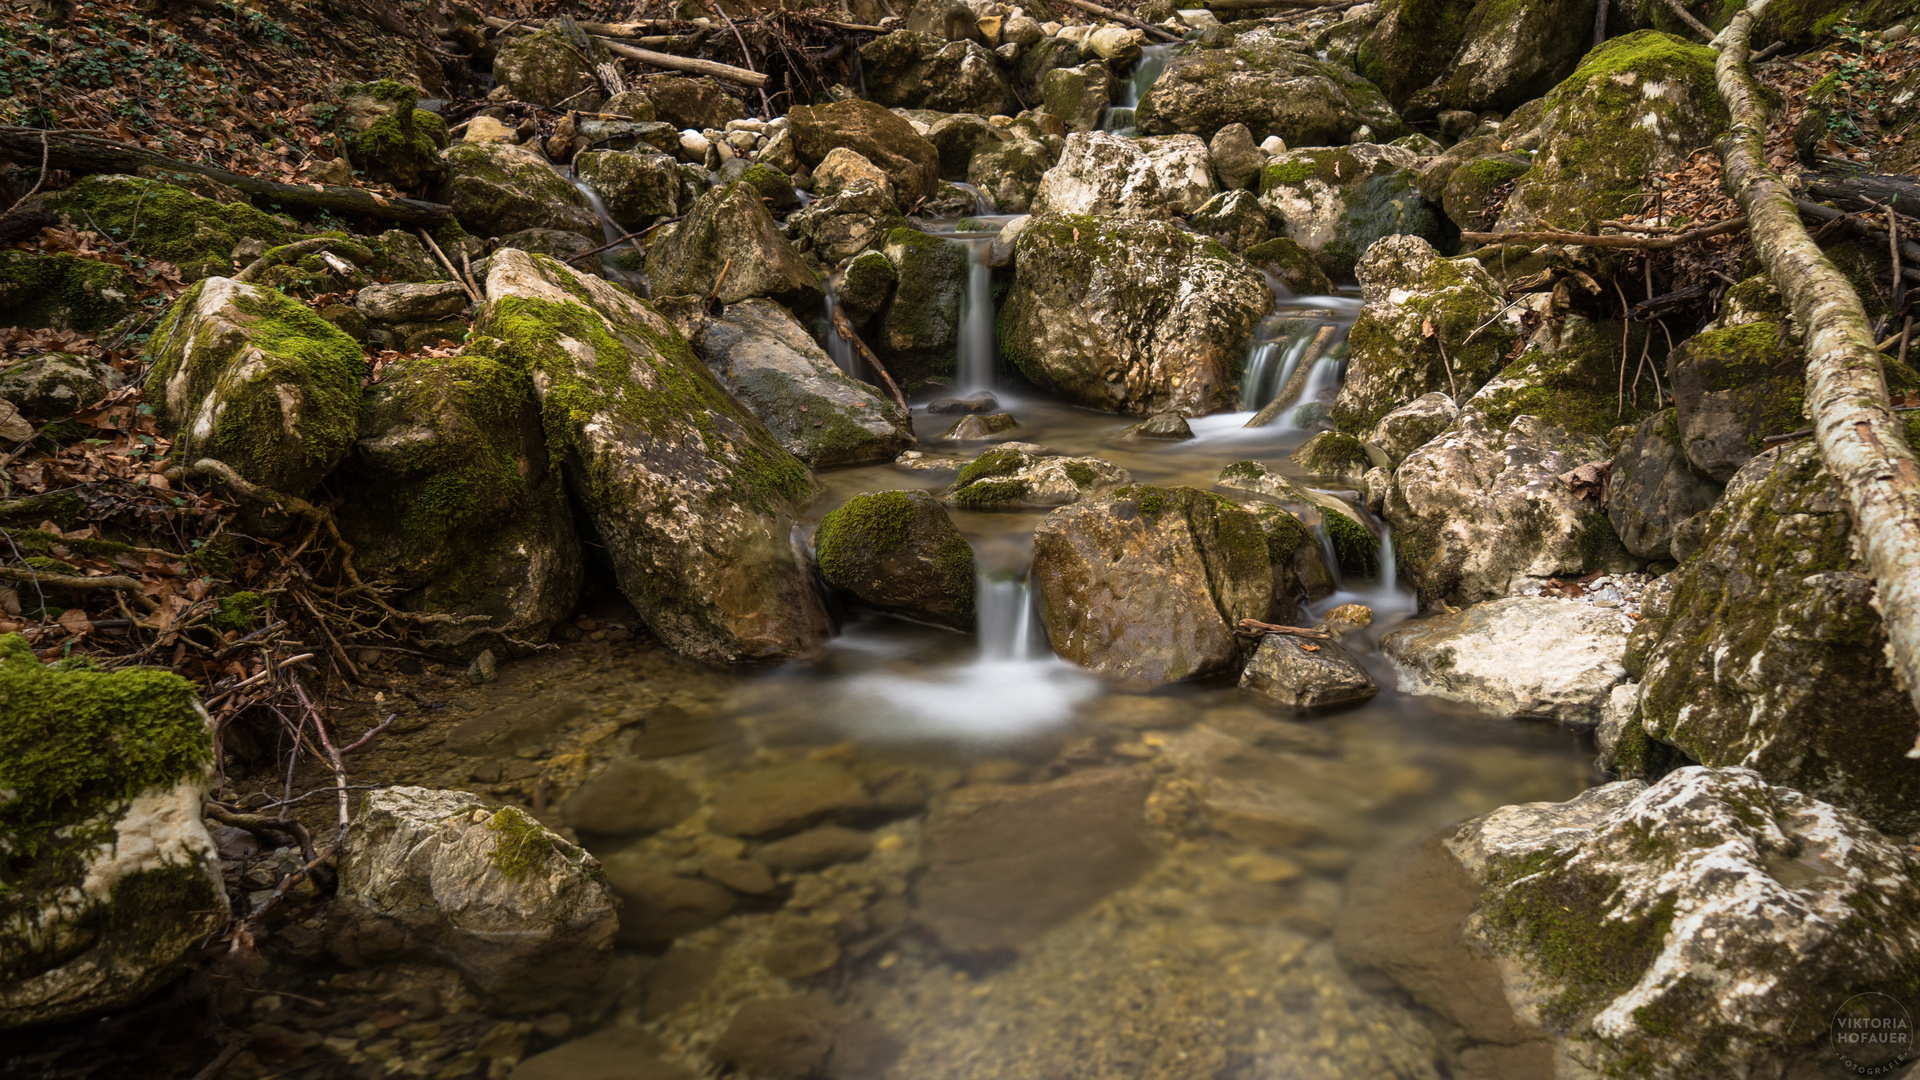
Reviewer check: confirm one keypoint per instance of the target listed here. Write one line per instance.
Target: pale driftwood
(1641, 243)
(1861, 442)
(1125, 20)
(1256, 628)
(690, 64)
(1280, 399)
(845, 329)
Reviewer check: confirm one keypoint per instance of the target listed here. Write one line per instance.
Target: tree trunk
(1852, 192)
(1860, 440)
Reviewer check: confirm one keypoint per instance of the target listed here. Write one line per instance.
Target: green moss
(161, 221)
(1286, 535)
(1333, 453)
(1492, 171)
(1244, 470)
(240, 612)
(982, 494)
(1354, 546)
(521, 844)
(1151, 501)
(954, 562)
(864, 527)
(1282, 173)
(1575, 388)
(1080, 473)
(996, 462)
(1762, 370)
(62, 291)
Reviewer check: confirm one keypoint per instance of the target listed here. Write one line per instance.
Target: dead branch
(845, 329)
(1149, 28)
(119, 582)
(1254, 628)
(690, 65)
(1639, 243)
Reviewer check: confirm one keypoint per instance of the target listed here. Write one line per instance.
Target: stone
(1163, 427)
(801, 954)
(628, 798)
(403, 302)
(1738, 382)
(740, 875)
(645, 427)
(700, 104)
(632, 104)
(636, 186)
(955, 137)
(1020, 30)
(1114, 44)
(196, 234)
(1109, 176)
(899, 552)
(866, 285)
(1472, 56)
(53, 386)
(1235, 219)
(544, 68)
(1524, 656)
(111, 883)
(1464, 197)
(1300, 574)
(839, 227)
(921, 71)
(949, 20)
(1333, 454)
(1264, 80)
(766, 359)
(1129, 315)
(1079, 96)
(791, 1038)
(657, 906)
(782, 799)
(1567, 375)
(1284, 261)
(729, 229)
(1336, 202)
(980, 428)
(814, 849)
(1005, 863)
(842, 168)
(920, 331)
(1006, 478)
(549, 242)
(1355, 548)
(1010, 172)
(1148, 584)
(1237, 160)
(62, 291)
(982, 402)
(496, 188)
(387, 138)
(615, 1053)
(1651, 488)
(1413, 425)
(428, 875)
(873, 132)
(1306, 674)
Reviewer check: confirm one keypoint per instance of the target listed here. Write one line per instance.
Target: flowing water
(1153, 60)
(612, 232)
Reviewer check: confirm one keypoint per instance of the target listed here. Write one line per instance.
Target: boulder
(545, 68)
(1300, 574)
(1148, 583)
(162, 221)
(693, 496)
(1651, 488)
(1568, 375)
(842, 168)
(923, 71)
(1079, 96)
(898, 551)
(1479, 513)
(835, 229)
(437, 876)
(549, 242)
(1738, 382)
(53, 386)
(111, 882)
(767, 360)
(955, 138)
(496, 188)
(1237, 159)
(405, 302)
(1475, 55)
(1233, 218)
(1413, 425)
(635, 186)
(1110, 176)
(1464, 196)
(1770, 654)
(1129, 315)
(866, 285)
(1351, 540)
(247, 375)
(1266, 81)
(1010, 172)
(875, 133)
(1008, 479)
(1334, 455)
(1391, 359)
(920, 330)
(1336, 202)
(1306, 674)
(59, 290)
(387, 138)
(699, 104)
(1525, 656)
(730, 230)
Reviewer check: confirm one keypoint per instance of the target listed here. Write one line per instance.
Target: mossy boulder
(767, 360)
(545, 68)
(161, 221)
(920, 330)
(835, 229)
(899, 552)
(875, 133)
(921, 71)
(1008, 479)
(1430, 55)
(1300, 572)
(1111, 176)
(1652, 489)
(110, 883)
(1271, 83)
(257, 380)
(1770, 653)
(1412, 425)
(693, 497)
(1333, 454)
(729, 230)
(1349, 539)
(1393, 357)
(399, 255)
(1291, 265)
(1464, 198)
(1148, 583)
(1733, 386)
(1569, 376)
(1130, 315)
(388, 138)
(955, 138)
(1009, 173)
(1336, 202)
(62, 291)
(867, 284)
(53, 386)
(1636, 106)
(1234, 219)
(497, 188)
(1079, 96)
(636, 187)
(454, 498)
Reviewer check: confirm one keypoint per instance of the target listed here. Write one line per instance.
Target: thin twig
(45, 149)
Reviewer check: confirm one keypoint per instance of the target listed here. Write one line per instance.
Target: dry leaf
(75, 621)
(1426, 327)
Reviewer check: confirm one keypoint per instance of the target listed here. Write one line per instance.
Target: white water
(982, 205)
(978, 346)
(839, 349)
(1153, 61)
(1324, 376)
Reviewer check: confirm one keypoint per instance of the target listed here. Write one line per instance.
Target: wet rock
(789, 1038)
(920, 332)
(1237, 159)
(1006, 863)
(1337, 201)
(1355, 547)
(875, 133)
(786, 798)
(955, 138)
(980, 428)
(1110, 176)
(729, 229)
(1264, 81)
(700, 104)
(1769, 653)
(1010, 172)
(1165, 427)
(53, 386)
(740, 875)
(837, 228)
(801, 954)
(765, 357)
(544, 67)
(112, 880)
(1006, 478)
(635, 186)
(717, 578)
(670, 731)
(1233, 218)
(1306, 674)
(1472, 56)
(1330, 453)
(628, 798)
(656, 906)
(981, 402)
(867, 285)
(1148, 583)
(403, 302)
(510, 727)
(898, 551)
(435, 876)
(1291, 265)
(1523, 656)
(1300, 574)
(1651, 488)
(814, 849)
(496, 188)
(1079, 96)
(387, 138)
(1129, 315)
(615, 1053)
(1411, 426)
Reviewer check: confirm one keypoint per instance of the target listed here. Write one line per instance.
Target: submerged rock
(730, 231)
(1006, 478)
(1306, 674)
(1336, 202)
(1526, 656)
(898, 551)
(615, 1053)
(1265, 81)
(1109, 176)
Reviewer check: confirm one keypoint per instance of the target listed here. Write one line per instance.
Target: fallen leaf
(75, 621)
(1426, 327)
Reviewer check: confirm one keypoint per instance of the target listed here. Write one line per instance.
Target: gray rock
(1411, 426)
(1010, 172)
(842, 168)
(1527, 656)
(496, 188)
(53, 386)
(1464, 198)
(923, 71)
(1284, 670)
(1006, 478)
(898, 551)
(782, 799)
(1478, 56)
(636, 187)
(1336, 202)
(730, 230)
(814, 849)
(1110, 176)
(920, 332)
(544, 67)
(1265, 80)
(1237, 159)
(842, 226)
(628, 798)
(549, 242)
(1734, 385)
(873, 132)
(1651, 488)
(1079, 96)
(980, 428)
(656, 906)
(403, 302)
(981, 402)
(436, 876)
(700, 104)
(1235, 219)
(1164, 427)
(387, 138)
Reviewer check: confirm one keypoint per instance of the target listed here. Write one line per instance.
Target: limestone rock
(1651, 488)
(731, 223)
(388, 138)
(837, 228)
(842, 168)
(1110, 176)
(1079, 96)
(1733, 386)
(54, 386)
(1411, 426)
(1291, 265)
(873, 132)
(1010, 172)
(403, 302)
(1306, 674)
(636, 186)
(1333, 454)
(1528, 656)
(496, 188)
(1464, 197)
(615, 1053)
(1336, 202)
(62, 291)
(1471, 55)
(898, 551)
(1235, 219)
(1005, 478)
(1237, 159)
(544, 67)
(955, 137)
(1266, 81)
(921, 71)
(1355, 548)
(699, 104)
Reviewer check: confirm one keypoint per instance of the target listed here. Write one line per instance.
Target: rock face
(1010, 479)
(111, 882)
(768, 360)
(1636, 106)
(1005, 862)
(1263, 82)
(1527, 656)
(1129, 316)
(1769, 653)
(899, 552)
(1479, 514)
(1477, 56)
(636, 187)
(1652, 490)
(1285, 670)
(246, 375)
(875, 133)
(729, 229)
(1336, 202)
(1109, 176)
(1148, 583)
(693, 496)
(433, 875)
(1413, 425)
(496, 188)
(1391, 359)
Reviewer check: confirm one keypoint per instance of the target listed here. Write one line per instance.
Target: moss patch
(521, 844)
(161, 221)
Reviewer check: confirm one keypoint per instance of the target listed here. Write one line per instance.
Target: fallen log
(1640, 243)
(1123, 19)
(92, 154)
(845, 330)
(1827, 215)
(690, 64)
(1254, 628)
(1868, 193)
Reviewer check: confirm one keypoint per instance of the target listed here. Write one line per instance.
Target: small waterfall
(982, 206)
(978, 346)
(1008, 628)
(1153, 61)
(1270, 361)
(611, 232)
(1324, 374)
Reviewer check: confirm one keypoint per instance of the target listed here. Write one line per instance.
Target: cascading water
(978, 347)
(1009, 628)
(1276, 349)
(1323, 376)
(1153, 61)
(612, 233)
(839, 349)
(982, 205)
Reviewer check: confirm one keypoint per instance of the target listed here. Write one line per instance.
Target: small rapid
(1153, 60)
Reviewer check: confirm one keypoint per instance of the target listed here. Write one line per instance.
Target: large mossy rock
(875, 133)
(544, 68)
(62, 291)
(1429, 55)
(1568, 375)
(1129, 315)
(455, 499)
(1079, 96)
(1770, 654)
(920, 329)
(636, 186)
(1350, 540)
(1743, 379)
(764, 356)
(1005, 478)
(110, 882)
(1110, 176)
(1149, 583)
(920, 71)
(1636, 106)
(1652, 490)
(496, 188)
(388, 138)
(161, 221)
(1270, 83)
(729, 230)
(898, 551)
(692, 496)
(1392, 359)
(1480, 513)
(1336, 202)
(255, 379)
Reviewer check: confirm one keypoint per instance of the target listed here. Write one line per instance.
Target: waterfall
(982, 206)
(1270, 362)
(978, 347)
(1008, 627)
(1324, 374)
(839, 349)
(611, 232)
(1153, 61)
